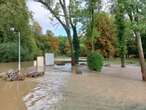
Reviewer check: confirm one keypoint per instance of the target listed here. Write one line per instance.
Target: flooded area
(11, 93)
(112, 89)
(104, 92)
(4, 67)
(49, 92)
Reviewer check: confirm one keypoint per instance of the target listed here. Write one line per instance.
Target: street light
(19, 50)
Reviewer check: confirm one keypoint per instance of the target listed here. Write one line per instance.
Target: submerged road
(58, 89)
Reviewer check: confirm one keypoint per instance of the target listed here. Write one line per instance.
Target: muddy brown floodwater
(11, 93)
(112, 89)
(106, 91)
(4, 67)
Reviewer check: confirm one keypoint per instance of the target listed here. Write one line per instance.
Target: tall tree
(36, 28)
(105, 38)
(135, 10)
(74, 12)
(119, 19)
(93, 6)
(14, 13)
(61, 11)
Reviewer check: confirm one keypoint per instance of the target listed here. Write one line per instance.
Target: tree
(74, 12)
(36, 28)
(62, 41)
(105, 38)
(135, 10)
(83, 48)
(43, 44)
(50, 33)
(54, 44)
(15, 14)
(62, 12)
(93, 6)
(120, 22)
(132, 51)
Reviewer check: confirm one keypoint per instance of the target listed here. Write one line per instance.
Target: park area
(72, 55)
(59, 89)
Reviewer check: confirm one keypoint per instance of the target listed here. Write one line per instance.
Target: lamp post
(19, 50)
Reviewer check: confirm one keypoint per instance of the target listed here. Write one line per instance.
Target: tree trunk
(76, 45)
(92, 28)
(141, 55)
(123, 61)
(73, 64)
(76, 51)
(71, 48)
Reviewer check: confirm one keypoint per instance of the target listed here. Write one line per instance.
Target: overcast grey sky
(41, 15)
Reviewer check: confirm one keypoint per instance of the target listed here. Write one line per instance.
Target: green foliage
(132, 51)
(64, 47)
(43, 44)
(62, 41)
(104, 42)
(9, 52)
(65, 15)
(74, 10)
(92, 33)
(14, 13)
(36, 28)
(121, 30)
(136, 10)
(95, 61)
(83, 49)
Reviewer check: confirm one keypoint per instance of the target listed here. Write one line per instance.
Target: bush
(9, 52)
(95, 61)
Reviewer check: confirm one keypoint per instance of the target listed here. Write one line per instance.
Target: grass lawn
(118, 61)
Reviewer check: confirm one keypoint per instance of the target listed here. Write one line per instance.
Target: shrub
(95, 61)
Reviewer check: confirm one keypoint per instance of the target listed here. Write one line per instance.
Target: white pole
(19, 54)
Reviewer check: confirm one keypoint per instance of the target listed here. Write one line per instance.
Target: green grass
(118, 61)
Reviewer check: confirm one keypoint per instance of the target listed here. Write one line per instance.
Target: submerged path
(113, 89)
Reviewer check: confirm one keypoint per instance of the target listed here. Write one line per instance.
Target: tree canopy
(14, 14)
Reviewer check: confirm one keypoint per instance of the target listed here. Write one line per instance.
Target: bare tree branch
(51, 10)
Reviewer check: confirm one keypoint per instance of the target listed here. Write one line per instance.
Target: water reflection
(4, 67)
(49, 90)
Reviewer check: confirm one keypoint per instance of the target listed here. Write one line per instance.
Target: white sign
(34, 63)
(40, 64)
(49, 59)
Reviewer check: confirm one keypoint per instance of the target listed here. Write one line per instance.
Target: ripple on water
(49, 90)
